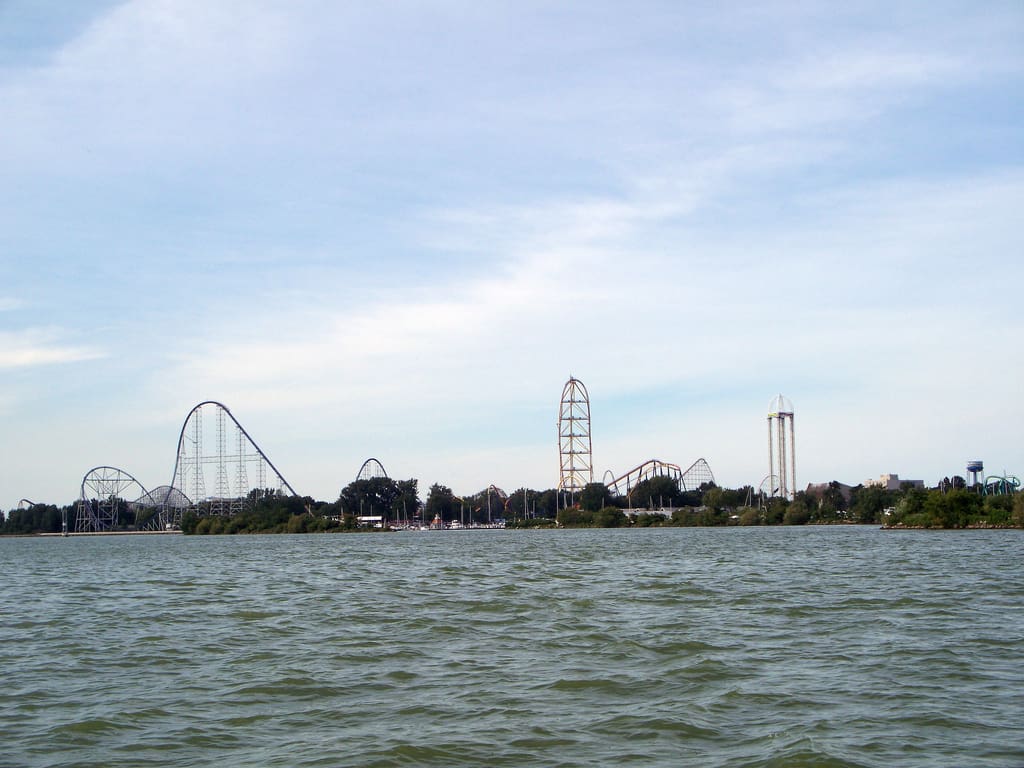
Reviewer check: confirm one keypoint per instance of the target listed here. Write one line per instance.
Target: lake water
(822, 646)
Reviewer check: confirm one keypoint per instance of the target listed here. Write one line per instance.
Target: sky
(396, 229)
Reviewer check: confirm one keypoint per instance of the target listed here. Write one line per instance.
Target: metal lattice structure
(576, 467)
(782, 450)
(371, 470)
(693, 478)
(168, 505)
(502, 497)
(105, 492)
(214, 444)
(1001, 485)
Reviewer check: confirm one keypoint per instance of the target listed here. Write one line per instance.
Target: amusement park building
(891, 482)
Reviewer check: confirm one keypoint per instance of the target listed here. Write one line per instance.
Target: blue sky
(396, 229)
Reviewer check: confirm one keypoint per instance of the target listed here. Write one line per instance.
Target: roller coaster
(693, 478)
(216, 446)
(107, 493)
(234, 453)
(220, 470)
(1000, 485)
(371, 470)
(485, 497)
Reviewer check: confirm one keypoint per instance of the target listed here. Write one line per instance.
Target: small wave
(94, 726)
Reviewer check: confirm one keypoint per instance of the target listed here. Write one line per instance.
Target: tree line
(387, 503)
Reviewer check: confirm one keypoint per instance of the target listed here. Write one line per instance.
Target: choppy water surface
(685, 647)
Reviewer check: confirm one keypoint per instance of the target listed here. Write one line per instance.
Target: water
(833, 646)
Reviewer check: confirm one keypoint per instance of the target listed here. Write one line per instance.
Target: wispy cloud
(354, 235)
(578, 282)
(39, 346)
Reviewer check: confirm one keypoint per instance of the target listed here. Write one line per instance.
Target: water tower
(781, 447)
(975, 472)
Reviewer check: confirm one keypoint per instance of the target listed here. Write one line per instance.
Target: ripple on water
(690, 647)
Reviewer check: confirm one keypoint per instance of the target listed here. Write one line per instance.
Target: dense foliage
(384, 503)
(39, 518)
(270, 513)
(380, 497)
(605, 517)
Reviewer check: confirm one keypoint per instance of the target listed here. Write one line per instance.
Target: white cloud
(145, 80)
(847, 305)
(858, 69)
(38, 346)
(688, 206)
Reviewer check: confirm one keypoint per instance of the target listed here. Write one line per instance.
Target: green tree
(750, 516)
(687, 516)
(775, 508)
(483, 507)
(656, 492)
(592, 497)
(535, 502)
(714, 499)
(649, 520)
(189, 521)
(829, 503)
(371, 496)
(798, 511)
(998, 509)
(1018, 509)
(610, 517)
(547, 504)
(575, 517)
(868, 504)
(407, 502)
(963, 507)
(441, 504)
(909, 510)
(38, 518)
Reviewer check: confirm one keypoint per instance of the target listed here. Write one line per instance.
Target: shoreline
(107, 533)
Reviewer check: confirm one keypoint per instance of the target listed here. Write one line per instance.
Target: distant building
(820, 490)
(891, 483)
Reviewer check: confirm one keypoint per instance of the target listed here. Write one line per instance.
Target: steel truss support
(234, 455)
(371, 469)
(576, 466)
(691, 479)
(105, 492)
